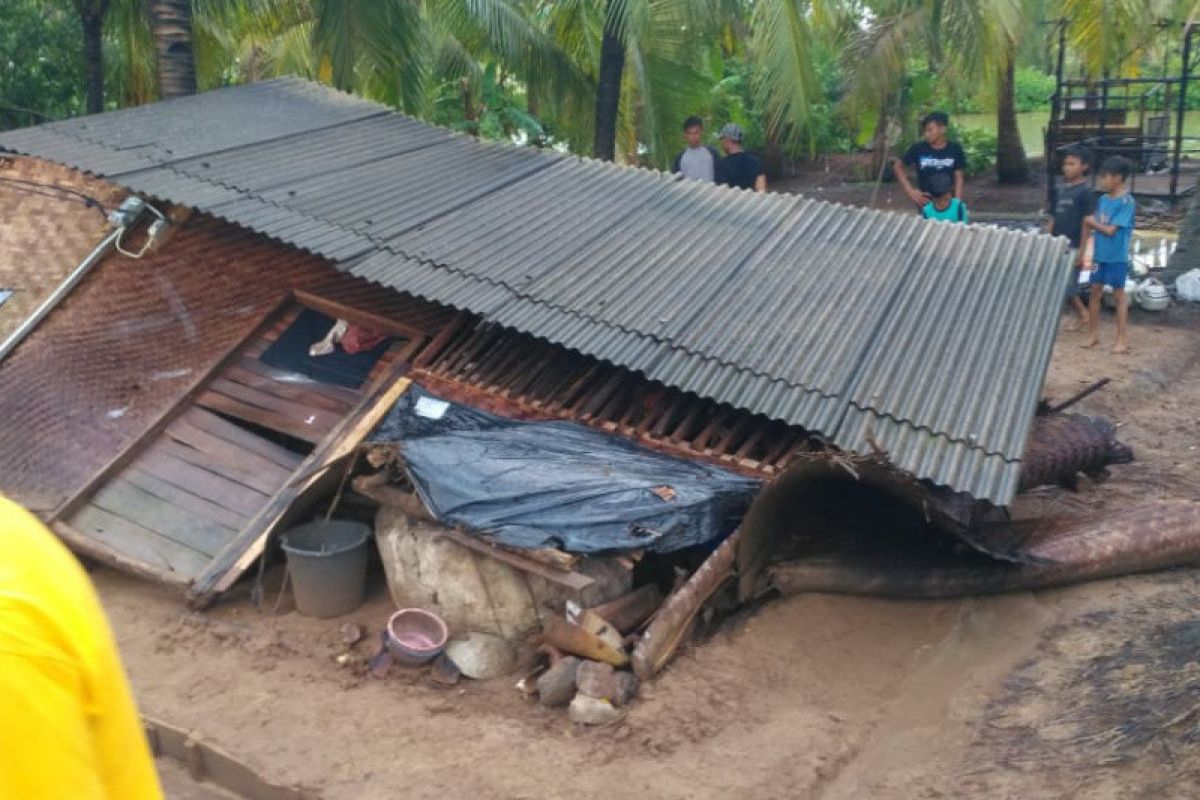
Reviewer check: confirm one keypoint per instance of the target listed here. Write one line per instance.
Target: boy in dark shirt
(738, 168)
(1075, 201)
(1111, 227)
(933, 155)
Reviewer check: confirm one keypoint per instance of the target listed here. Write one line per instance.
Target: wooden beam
(211, 764)
(341, 442)
(575, 581)
(131, 450)
(92, 548)
(367, 319)
(439, 342)
(375, 488)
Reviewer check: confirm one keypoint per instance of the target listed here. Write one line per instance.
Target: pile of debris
(589, 666)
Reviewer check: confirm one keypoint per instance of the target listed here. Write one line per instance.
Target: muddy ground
(1091, 691)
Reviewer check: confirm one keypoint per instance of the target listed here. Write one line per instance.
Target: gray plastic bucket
(328, 563)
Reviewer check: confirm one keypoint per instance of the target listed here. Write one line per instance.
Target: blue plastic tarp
(558, 484)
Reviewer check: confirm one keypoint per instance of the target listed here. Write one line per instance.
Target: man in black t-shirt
(738, 168)
(933, 155)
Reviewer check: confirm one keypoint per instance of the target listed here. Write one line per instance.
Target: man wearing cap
(738, 168)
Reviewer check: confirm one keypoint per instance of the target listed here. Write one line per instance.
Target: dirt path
(1090, 691)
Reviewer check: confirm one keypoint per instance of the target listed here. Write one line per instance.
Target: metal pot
(1152, 295)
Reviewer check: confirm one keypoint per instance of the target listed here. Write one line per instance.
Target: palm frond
(1109, 35)
(785, 84)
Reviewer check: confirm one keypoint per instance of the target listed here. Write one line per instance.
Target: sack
(1187, 286)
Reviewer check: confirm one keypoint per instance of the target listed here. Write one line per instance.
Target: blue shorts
(1110, 274)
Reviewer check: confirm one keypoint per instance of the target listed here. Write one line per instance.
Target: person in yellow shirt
(68, 725)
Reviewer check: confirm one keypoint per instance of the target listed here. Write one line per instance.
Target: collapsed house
(167, 416)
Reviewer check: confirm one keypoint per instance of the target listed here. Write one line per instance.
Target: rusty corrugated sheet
(873, 330)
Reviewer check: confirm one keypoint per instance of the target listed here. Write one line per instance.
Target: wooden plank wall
(190, 491)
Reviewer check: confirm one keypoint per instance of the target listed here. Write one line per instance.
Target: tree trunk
(1011, 164)
(608, 91)
(171, 27)
(470, 116)
(93, 58)
(879, 140)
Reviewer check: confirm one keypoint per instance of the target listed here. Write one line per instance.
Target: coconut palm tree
(655, 62)
(91, 18)
(171, 27)
(960, 40)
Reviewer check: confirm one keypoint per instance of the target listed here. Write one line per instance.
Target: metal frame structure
(1100, 106)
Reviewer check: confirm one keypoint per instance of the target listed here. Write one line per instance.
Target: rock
(482, 656)
(350, 633)
(586, 710)
(473, 592)
(596, 680)
(626, 689)
(444, 671)
(556, 686)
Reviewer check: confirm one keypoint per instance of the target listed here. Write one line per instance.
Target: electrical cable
(38, 188)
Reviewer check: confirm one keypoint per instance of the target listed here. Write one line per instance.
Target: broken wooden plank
(137, 542)
(213, 765)
(97, 550)
(184, 499)
(191, 530)
(306, 394)
(572, 638)
(280, 423)
(245, 438)
(264, 371)
(131, 450)
(225, 451)
(674, 618)
(215, 488)
(366, 319)
(575, 581)
(249, 544)
(299, 411)
(629, 611)
(266, 482)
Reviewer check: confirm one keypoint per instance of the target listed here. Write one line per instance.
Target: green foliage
(926, 89)
(494, 109)
(1032, 89)
(41, 63)
(979, 146)
(800, 76)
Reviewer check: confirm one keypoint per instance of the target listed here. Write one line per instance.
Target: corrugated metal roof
(875, 330)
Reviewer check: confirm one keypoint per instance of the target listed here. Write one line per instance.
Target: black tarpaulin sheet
(558, 484)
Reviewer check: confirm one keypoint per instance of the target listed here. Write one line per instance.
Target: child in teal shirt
(1111, 227)
(943, 204)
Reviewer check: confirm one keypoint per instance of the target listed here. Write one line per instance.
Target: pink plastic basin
(415, 636)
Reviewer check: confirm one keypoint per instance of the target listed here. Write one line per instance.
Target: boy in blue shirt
(1111, 228)
(942, 203)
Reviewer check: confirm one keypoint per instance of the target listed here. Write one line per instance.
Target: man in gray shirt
(697, 161)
